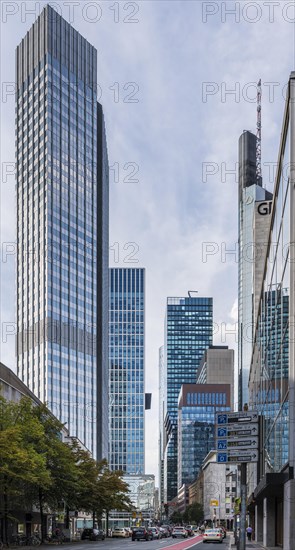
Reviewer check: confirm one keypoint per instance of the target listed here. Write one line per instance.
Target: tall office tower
(272, 374)
(62, 228)
(197, 406)
(162, 380)
(250, 190)
(127, 369)
(217, 367)
(188, 333)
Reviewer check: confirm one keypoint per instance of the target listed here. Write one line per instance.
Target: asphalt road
(194, 543)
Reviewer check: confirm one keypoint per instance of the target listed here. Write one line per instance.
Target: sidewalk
(251, 545)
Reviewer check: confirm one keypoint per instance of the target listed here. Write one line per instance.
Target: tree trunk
(93, 519)
(41, 516)
(5, 498)
(67, 522)
(107, 523)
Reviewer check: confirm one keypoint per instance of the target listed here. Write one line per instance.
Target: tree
(21, 465)
(176, 517)
(116, 493)
(194, 513)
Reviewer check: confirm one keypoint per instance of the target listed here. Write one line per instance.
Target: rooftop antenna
(258, 136)
(190, 292)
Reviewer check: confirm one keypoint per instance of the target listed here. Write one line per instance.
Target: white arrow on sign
(242, 443)
(241, 417)
(241, 430)
(235, 453)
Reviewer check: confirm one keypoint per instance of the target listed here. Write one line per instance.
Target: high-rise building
(162, 434)
(127, 369)
(272, 375)
(62, 228)
(197, 406)
(250, 190)
(188, 333)
(217, 367)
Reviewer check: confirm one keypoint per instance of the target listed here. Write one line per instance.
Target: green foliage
(194, 513)
(38, 468)
(176, 517)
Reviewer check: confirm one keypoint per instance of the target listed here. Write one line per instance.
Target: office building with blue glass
(127, 369)
(197, 406)
(272, 374)
(188, 333)
(62, 228)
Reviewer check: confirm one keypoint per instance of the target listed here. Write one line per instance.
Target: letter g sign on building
(264, 208)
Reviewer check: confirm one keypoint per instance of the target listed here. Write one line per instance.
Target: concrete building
(214, 480)
(127, 370)
(217, 367)
(272, 375)
(62, 228)
(250, 190)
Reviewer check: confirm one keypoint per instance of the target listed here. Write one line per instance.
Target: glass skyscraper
(272, 375)
(250, 190)
(188, 333)
(62, 228)
(197, 406)
(127, 369)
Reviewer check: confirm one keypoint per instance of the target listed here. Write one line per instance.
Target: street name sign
(236, 418)
(237, 430)
(238, 456)
(237, 436)
(238, 443)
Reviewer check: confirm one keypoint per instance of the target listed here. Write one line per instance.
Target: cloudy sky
(177, 87)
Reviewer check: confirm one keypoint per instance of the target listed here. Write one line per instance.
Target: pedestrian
(249, 532)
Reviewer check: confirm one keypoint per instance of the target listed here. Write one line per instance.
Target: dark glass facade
(188, 333)
(198, 404)
(127, 369)
(62, 229)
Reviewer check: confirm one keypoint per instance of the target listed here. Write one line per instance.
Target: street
(128, 544)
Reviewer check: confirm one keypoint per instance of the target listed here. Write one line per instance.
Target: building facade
(197, 406)
(127, 369)
(162, 434)
(217, 367)
(250, 190)
(62, 228)
(188, 333)
(271, 385)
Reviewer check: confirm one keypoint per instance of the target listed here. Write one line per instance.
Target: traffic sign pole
(242, 537)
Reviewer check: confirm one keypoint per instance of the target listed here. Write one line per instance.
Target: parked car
(213, 535)
(93, 534)
(120, 532)
(179, 532)
(141, 533)
(189, 529)
(164, 532)
(156, 533)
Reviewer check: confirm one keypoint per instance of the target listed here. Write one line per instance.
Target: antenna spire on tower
(258, 135)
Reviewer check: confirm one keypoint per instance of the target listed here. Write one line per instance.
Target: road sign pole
(242, 537)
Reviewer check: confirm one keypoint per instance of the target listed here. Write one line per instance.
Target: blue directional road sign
(222, 457)
(221, 432)
(222, 444)
(222, 418)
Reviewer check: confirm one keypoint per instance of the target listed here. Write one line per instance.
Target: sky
(177, 81)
